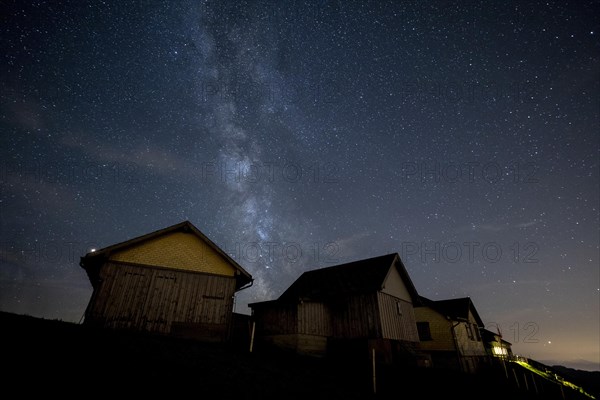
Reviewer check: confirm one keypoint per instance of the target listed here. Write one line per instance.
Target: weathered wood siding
(312, 345)
(162, 301)
(397, 318)
(314, 319)
(275, 318)
(469, 345)
(356, 317)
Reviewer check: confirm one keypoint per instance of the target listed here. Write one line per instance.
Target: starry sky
(297, 135)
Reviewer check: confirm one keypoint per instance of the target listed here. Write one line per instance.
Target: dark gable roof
(362, 276)
(93, 260)
(489, 336)
(453, 308)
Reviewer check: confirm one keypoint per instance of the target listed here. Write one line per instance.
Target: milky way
(297, 135)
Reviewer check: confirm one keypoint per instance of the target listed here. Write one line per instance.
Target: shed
(362, 304)
(174, 281)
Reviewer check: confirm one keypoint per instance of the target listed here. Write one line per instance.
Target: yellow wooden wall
(441, 333)
(177, 250)
(439, 327)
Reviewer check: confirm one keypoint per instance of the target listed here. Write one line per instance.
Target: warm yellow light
(499, 351)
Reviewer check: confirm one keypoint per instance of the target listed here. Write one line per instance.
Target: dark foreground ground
(46, 357)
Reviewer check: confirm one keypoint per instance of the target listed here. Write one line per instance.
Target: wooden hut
(361, 305)
(173, 281)
(449, 331)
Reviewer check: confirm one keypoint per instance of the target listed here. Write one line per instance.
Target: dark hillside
(52, 357)
(587, 379)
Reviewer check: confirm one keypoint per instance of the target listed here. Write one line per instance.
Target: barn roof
(454, 308)
(92, 261)
(362, 276)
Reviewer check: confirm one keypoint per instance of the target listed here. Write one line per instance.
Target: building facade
(362, 305)
(174, 281)
(449, 330)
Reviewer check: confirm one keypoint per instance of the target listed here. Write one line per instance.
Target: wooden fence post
(252, 336)
(373, 367)
(534, 384)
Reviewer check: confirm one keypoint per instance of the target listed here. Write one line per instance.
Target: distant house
(495, 346)
(174, 281)
(449, 330)
(361, 305)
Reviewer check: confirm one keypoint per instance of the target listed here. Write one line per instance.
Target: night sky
(297, 135)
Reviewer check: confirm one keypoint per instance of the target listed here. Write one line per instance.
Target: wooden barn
(354, 307)
(449, 330)
(174, 281)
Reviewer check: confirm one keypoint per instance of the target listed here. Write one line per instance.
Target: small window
(399, 308)
(477, 334)
(424, 331)
(469, 331)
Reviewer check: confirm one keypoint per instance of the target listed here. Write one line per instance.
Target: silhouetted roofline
(489, 336)
(359, 276)
(457, 308)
